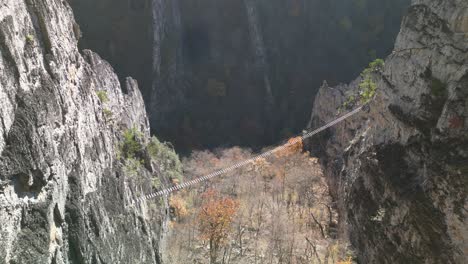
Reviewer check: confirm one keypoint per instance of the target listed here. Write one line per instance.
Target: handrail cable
(292, 142)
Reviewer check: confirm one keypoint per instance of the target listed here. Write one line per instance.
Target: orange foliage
(294, 145)
(175, 181)
(179, 206)
(260, 164)
(347, 261)
(215, 217)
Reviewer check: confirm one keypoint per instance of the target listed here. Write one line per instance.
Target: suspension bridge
(246, 162)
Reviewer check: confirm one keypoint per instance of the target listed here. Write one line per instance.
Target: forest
(233, 131)
(275, 210)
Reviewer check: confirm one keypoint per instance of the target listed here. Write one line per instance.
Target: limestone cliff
(399, 170)
(245, 69)
(65, 195)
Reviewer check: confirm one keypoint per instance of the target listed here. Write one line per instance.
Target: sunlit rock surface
(399, 170)
(64, 196)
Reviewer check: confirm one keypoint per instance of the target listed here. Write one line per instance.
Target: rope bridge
(217, 173)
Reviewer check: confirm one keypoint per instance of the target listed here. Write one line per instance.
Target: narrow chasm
(233, 131)
(221, 74)
(225, 73)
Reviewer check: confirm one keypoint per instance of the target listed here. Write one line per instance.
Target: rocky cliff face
(209, 57)
(262, 55)
(65, 196)
(399, 170)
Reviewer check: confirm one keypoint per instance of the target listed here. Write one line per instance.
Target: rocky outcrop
(399, 170)
(65, 196)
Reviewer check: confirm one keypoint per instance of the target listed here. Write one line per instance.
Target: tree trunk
(212, 252)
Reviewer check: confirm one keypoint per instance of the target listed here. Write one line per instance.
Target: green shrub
(368, 87)
(131, 143)
(129, 150)
(29, 39)
(132, 167)
(350, 102)
(169, 161)
(377, 65)
(102, 95)
(107, 113)
(156, 182)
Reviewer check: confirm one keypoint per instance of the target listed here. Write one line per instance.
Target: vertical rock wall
(64, 196)
(245, 69)
(399, 170)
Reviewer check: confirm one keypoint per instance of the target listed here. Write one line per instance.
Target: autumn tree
(294, 145)
(285, 207)
(178, 206)
(215, 219)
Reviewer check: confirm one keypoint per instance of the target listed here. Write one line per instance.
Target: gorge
(79, 138)
(209, 57)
